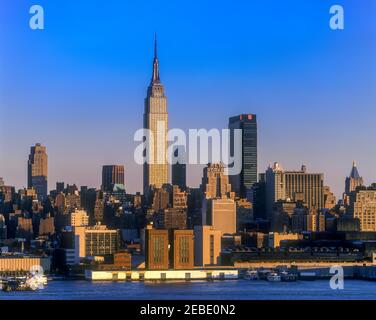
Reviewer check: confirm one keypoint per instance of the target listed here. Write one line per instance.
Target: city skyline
(270, 89)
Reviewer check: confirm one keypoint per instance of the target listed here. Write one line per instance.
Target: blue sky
(78, 85)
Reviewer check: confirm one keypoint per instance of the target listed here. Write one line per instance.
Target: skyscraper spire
(155, 47)
(155, 76)
(353, 181)
(354, 171)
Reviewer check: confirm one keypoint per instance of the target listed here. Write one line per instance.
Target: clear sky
(78, 86)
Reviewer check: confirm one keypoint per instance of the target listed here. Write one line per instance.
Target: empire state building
(156, 120)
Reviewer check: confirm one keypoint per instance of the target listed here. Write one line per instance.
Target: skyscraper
(353, 181)
(111, 175)
(156, 120)
(215, 183)
(363, 207)
(295, 186)
(37, 170)
(218, 205)
(179, 168)
(243, 182)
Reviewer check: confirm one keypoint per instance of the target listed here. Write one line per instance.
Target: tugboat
(273, 277)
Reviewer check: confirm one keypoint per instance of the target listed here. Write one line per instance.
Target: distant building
(294, 186)
(171, 218)
(182, 249)
(79, 218)
(222, 215)
(352, 182)
(160, 199)
(283, 211)
(329, 199)
(73, 201)
(60, 186)
(215, 183)
(14, 263)
(95, 241)
(243, 182)
(3, 228)
(276, 238)
(179, 170)
(46, 226)
(207, 246)
(99, 210)
(218, 205)
(37, 170)
(363, 207)
(157, 251)
(25, 228)
(244, 213)
(111, 175)
(179, 198)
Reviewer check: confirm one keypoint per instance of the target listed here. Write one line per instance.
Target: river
(195, 290)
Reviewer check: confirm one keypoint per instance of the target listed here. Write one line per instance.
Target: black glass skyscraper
(242, 183)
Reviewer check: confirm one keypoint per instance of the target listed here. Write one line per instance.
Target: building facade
(242, 183)
(207, 246)
(294, 186)
(363, 207)
(183, 249)
(156, 251)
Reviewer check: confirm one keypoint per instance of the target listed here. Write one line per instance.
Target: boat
(273, 277)
(16, 285)
(251, 275)
(31, 282)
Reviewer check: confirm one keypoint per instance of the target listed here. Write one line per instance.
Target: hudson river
(225, 290)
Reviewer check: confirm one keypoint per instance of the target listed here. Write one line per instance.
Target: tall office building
(178, 170)
(363, 207)
(215, 183)
(295, 186)
(37, 170)
(218, 205)
(156, 120)
(353, 181)
(112, 175)
(242, 183)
